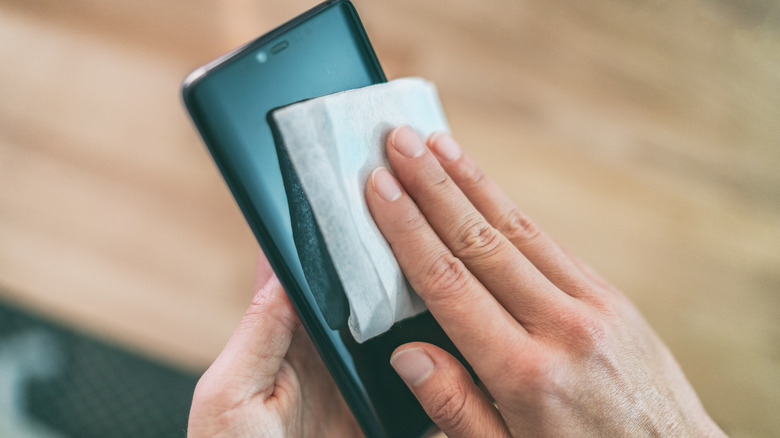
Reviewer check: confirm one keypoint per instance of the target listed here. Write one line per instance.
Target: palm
(309, 390)
(304, 403)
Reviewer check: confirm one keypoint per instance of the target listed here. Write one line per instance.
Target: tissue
(333, 143)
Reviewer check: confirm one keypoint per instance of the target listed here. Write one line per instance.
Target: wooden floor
(644, 135)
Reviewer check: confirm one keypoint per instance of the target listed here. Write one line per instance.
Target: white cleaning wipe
(334, 142)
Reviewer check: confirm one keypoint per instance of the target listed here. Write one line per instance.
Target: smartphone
(322, 51)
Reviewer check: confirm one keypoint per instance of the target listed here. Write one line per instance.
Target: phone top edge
(202, 71)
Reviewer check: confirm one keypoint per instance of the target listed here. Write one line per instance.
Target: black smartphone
(322, 51)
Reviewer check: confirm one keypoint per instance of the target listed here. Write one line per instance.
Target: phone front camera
(261, 57)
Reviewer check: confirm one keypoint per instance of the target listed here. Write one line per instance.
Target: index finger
(465, 310)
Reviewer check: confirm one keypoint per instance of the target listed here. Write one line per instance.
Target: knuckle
(413, 222)
(446, 274)
(265, 305)
(476, 238)
(207, 393)
(436, 184)
(472, 176)
(586, 332)
(439, 184)
(540, 376)
(607, 305)
(203, 391)
(518, 227)
(537, 374)
(448, 406)
(410, 223)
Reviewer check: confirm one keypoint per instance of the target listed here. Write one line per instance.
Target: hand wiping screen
(328, 147)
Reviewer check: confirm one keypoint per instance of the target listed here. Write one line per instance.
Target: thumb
(447, 392)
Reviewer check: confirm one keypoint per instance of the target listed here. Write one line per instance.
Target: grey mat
(55, 382)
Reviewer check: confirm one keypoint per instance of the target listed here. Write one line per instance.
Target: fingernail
(385, 184)
(407, 142)
(413, 365)
(445, 147)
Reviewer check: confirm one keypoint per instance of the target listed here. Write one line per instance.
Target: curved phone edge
(200, 72)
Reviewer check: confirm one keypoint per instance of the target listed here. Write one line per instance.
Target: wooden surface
(644, 135)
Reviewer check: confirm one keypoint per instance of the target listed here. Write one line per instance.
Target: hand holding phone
(561, 352)
(270, 377)
(559, 349)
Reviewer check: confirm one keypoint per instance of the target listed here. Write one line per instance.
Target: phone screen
(321, 57)
(321, 52)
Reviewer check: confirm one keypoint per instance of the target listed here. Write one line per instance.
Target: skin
(269, 381)
(557, 349)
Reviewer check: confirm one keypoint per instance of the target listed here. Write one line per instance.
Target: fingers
(515, 282)
(447, 392)
(466, 311)
(545, 254)
(250, 362)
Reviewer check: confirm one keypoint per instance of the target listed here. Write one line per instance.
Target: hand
(559, 350)
(269, 381)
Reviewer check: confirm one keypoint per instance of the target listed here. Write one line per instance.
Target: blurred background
(644, 135)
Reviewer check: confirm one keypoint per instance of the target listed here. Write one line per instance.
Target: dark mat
(55, 382)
